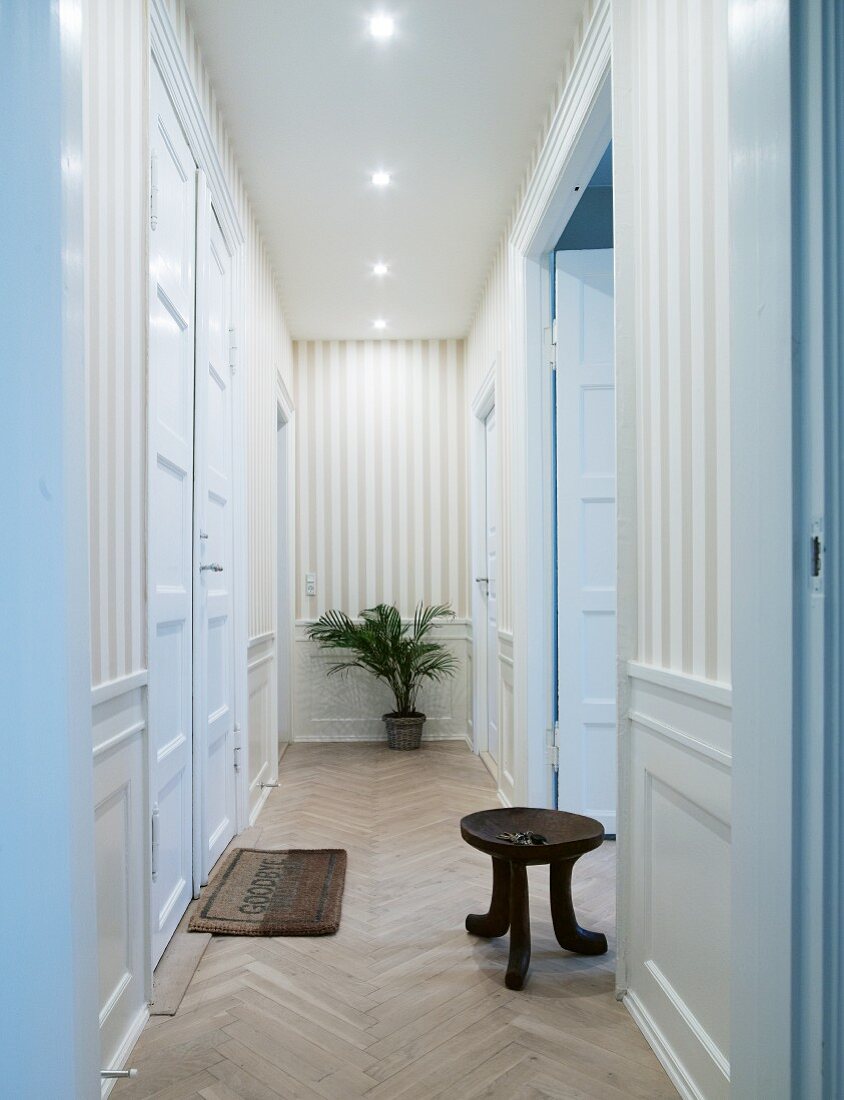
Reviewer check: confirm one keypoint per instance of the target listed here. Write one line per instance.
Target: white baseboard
(259, 805)
(365, 739)
(126, 1048)
(661, 1048)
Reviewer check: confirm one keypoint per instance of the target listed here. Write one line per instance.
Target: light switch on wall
(310, 584)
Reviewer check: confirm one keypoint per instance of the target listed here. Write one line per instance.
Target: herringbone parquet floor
(402, 1002)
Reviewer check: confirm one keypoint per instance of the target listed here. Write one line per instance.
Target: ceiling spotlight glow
(380, 323)
(381, 27)
(379, 269)
(381, 179)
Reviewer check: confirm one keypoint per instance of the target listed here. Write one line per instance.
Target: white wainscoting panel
(348, 707)
(120, 834)
(679, 921)
(263, 751)
(507, 765)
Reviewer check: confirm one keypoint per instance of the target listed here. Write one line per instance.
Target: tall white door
(215, 763)
(170, 513)
(491, 528)
(586, 547)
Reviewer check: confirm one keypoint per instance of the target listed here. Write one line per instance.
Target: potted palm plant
(402, 655)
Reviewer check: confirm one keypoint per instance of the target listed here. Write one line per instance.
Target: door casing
(482, 404)
(166, 53)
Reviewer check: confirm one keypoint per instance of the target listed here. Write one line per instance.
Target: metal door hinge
(551, 344)
(156, 822)
(153, 190)
(236, 738)
(816, 557)
(233, 350)
(552, 751)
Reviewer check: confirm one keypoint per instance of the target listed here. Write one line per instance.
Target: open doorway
(583, 412)
(485, 510)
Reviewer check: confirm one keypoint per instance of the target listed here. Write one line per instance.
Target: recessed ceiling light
(379, 269)
(381, 27)
(381, 179)
(380, 323)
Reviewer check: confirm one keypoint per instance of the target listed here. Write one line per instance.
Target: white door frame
(577, 139)
(285, 527)
(166, 54)
(762, 1009)
(482, 404)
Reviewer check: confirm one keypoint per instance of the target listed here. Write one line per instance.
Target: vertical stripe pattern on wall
(682, 295)
(488, 340)
(381, 474)
(267, 349)
(682, 298)
(116, 47)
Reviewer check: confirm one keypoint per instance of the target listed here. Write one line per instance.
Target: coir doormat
(281, 893)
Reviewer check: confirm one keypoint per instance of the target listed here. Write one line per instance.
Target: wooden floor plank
(401, 1002)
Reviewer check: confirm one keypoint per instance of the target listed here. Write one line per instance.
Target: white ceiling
(451, 106)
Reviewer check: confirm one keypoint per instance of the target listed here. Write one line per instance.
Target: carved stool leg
(517, 965)
(568, 932)
(497, 920)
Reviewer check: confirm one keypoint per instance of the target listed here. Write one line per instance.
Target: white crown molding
(582, 88)
(484, 399)
(283, 398)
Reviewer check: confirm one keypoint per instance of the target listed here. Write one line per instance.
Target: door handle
(482, 580)
(214, 566)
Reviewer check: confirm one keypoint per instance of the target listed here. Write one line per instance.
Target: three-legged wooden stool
(569, 836)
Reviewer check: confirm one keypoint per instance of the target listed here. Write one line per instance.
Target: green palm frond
(397, 653)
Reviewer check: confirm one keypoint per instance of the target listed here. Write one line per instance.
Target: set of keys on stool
(527, 837)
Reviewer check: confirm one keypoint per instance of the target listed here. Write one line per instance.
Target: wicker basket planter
(404, 732)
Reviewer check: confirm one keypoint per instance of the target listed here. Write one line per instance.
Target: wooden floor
(402, 1002)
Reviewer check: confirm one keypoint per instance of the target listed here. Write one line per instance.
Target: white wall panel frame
(120, 802)
(680, 767)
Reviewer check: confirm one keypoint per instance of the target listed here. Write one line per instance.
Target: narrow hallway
(402, 1002)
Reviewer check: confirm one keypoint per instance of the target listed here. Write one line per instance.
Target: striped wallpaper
(488, 340)
(680, 238)
(267, 349)
(116, 44)
(381, 506)
(681, 248)
(115, 47)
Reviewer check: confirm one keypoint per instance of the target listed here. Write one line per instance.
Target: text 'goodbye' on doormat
(281, 893)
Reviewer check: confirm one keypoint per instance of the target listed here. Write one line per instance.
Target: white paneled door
(491, 529)
(586, 544)
(170, 519)
(213, 546)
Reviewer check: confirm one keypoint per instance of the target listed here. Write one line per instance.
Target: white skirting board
(661, 1048)
(126, 1047)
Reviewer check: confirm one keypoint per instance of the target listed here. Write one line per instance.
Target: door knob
(214, 566)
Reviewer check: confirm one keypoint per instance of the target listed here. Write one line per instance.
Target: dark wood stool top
(568, 836)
